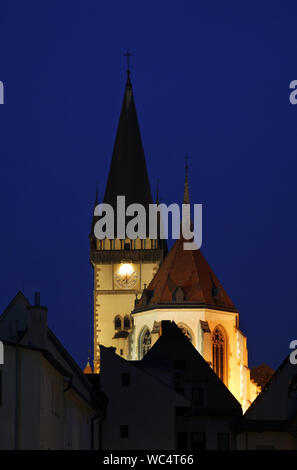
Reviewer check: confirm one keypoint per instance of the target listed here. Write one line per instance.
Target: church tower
(122, 267)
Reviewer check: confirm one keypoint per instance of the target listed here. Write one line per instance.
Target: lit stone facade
(114, 301)
(236, 374)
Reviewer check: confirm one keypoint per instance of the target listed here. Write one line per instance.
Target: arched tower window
(144, 343)
(127, 323)
(117, 323)
(219, 353)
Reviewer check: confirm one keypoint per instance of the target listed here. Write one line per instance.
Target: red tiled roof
(185, 277)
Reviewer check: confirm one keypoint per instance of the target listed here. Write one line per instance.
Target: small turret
(88, 368)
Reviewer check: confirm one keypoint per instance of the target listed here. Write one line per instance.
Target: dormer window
(178, 295)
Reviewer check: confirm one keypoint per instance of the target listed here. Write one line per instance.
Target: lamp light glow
(126, 269)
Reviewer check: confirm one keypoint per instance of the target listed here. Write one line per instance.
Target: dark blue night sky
(211, 80)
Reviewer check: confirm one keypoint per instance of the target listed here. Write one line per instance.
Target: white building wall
(48, 417)
(238, 374)
(23, 433)
(187, 317)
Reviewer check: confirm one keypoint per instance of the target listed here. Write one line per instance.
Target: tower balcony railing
(117, 256)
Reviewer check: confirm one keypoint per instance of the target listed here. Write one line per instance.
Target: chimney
(37, 324)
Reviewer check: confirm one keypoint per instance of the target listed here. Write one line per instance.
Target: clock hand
(131, 275)
(128, 277)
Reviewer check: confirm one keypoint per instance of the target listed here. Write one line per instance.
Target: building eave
(184, 305)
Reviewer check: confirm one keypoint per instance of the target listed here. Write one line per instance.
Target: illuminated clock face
(126, 277)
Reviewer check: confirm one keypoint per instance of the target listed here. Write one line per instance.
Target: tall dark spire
(128, 174)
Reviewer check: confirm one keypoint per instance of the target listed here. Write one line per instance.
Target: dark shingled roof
(184, 279)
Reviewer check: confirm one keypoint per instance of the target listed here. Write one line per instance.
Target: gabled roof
(19, 298)
(109, 353)
(174, 346)
(184, 279)
(128, 174)
(15, 316)
(276, 398)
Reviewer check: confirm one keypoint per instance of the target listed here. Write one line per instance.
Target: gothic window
(117, 323)
(219, 353)
(127, 322)
(145, 343)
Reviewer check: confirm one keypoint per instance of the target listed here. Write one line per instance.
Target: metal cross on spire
(128, 55)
